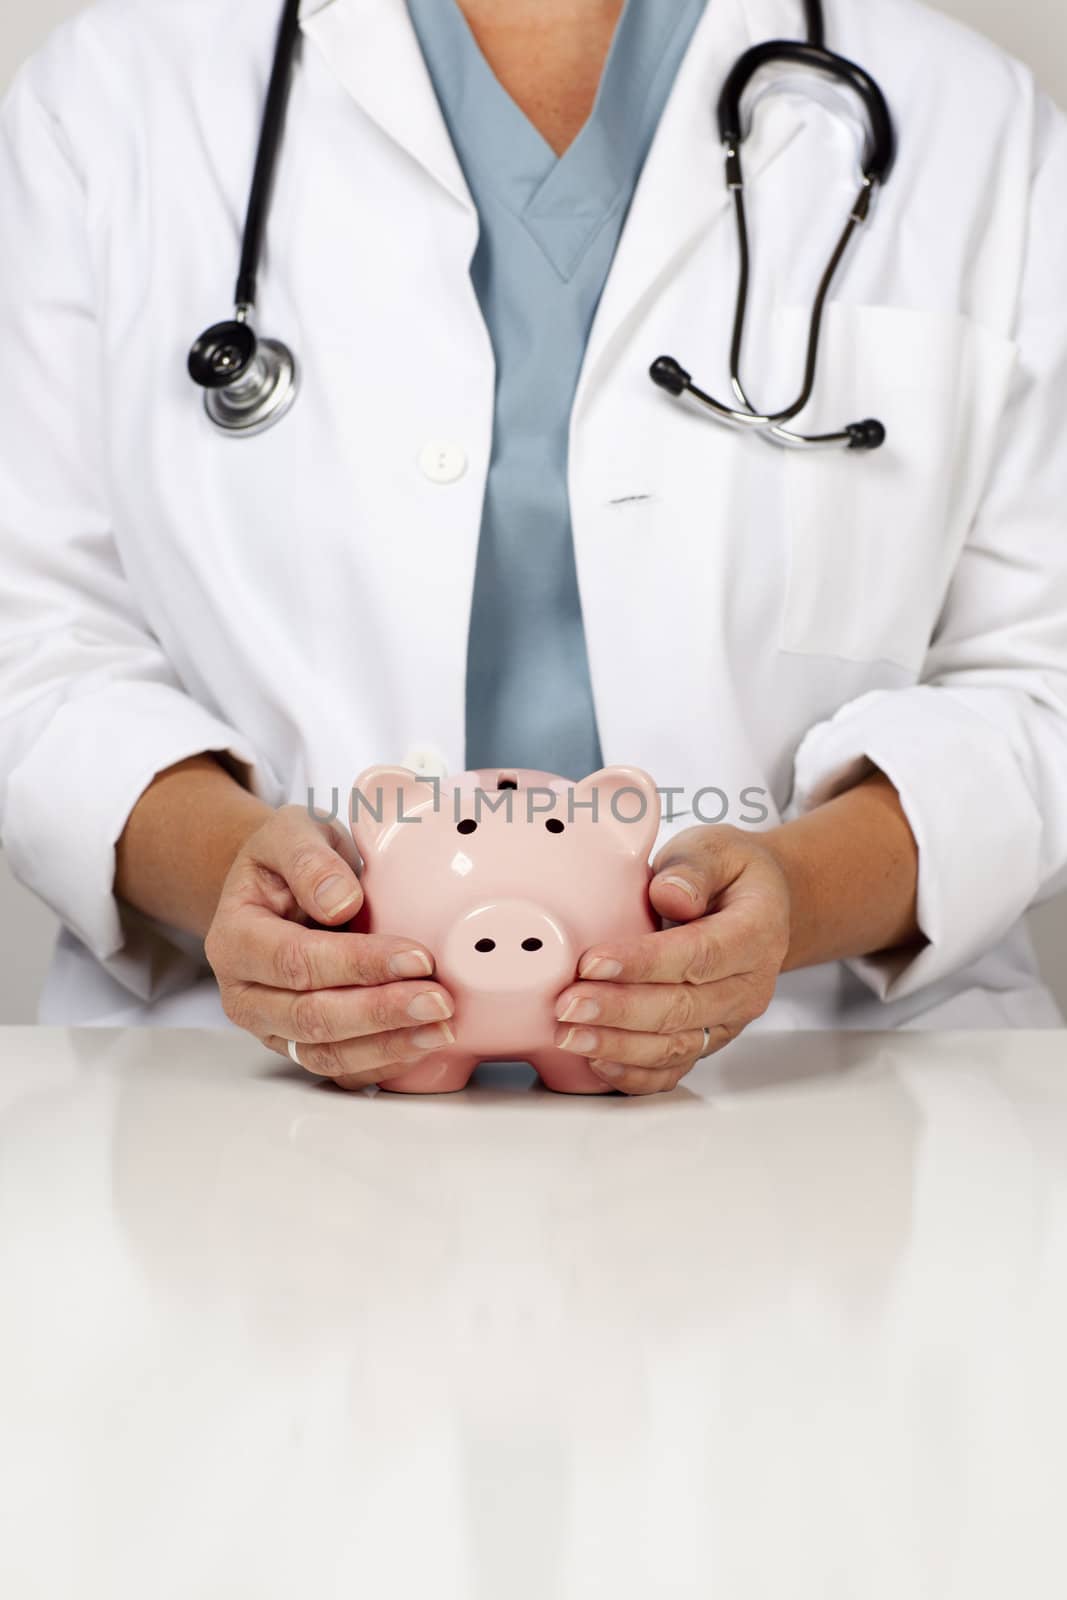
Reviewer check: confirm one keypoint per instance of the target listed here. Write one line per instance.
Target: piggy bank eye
(468, 825)
(554, 825)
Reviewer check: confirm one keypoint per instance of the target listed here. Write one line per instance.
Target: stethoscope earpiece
(869, 435)
(668, 374)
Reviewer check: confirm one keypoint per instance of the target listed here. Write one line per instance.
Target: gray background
(1036, 30)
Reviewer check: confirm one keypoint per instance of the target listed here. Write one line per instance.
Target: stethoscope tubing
(270, 141)
(749, 416)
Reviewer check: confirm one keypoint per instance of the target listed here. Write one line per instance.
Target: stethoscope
(250, 383)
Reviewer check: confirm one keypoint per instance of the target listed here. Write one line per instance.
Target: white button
(442, 462)
(427, 761)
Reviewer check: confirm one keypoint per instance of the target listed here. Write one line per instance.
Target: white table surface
(796, 1332)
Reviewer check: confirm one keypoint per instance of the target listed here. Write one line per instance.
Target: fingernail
(411, 964)
(579, 1010)
(680, 883)
(334, 895)
(607, 1069)
(429, 1008)
(601, 967)
(433, 1038)
(579, 1040)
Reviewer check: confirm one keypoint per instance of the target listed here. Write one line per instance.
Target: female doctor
(482, 537)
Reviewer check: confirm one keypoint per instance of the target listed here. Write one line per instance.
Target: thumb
(322, 882)
(690, 872)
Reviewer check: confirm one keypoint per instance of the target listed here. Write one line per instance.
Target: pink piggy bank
(508, 878)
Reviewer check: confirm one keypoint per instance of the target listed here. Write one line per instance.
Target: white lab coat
(755, 619)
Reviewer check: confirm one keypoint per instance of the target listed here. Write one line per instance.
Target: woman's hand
(359, 1007)
(837, 883)
(641, 1011)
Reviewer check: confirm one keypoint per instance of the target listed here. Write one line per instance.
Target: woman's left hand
(640, 1011)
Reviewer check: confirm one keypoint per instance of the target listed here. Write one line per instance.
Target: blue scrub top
(549, 229)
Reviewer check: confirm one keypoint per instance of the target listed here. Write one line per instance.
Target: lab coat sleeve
(90, 708)
(978, 749)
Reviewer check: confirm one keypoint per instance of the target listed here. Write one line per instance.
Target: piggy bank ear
(381, 796)
(626, 804)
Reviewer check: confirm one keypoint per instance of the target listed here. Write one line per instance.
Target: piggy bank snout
(510, 945)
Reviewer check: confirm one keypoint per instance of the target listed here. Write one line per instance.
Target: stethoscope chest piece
(249, 384)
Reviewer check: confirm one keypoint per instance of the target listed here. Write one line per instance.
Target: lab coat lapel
(682, 192)
(372, 48)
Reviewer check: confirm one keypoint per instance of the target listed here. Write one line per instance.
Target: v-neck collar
(372, 50)
(562, 200)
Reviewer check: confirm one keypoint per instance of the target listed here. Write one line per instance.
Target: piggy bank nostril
(485, 945)
(533, 944)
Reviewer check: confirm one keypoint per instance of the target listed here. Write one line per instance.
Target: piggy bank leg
(445, 1072)
(567, 1074)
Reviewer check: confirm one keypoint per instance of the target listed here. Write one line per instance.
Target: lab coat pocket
(873, 537)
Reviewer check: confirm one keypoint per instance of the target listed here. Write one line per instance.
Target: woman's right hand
(360, 1007)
